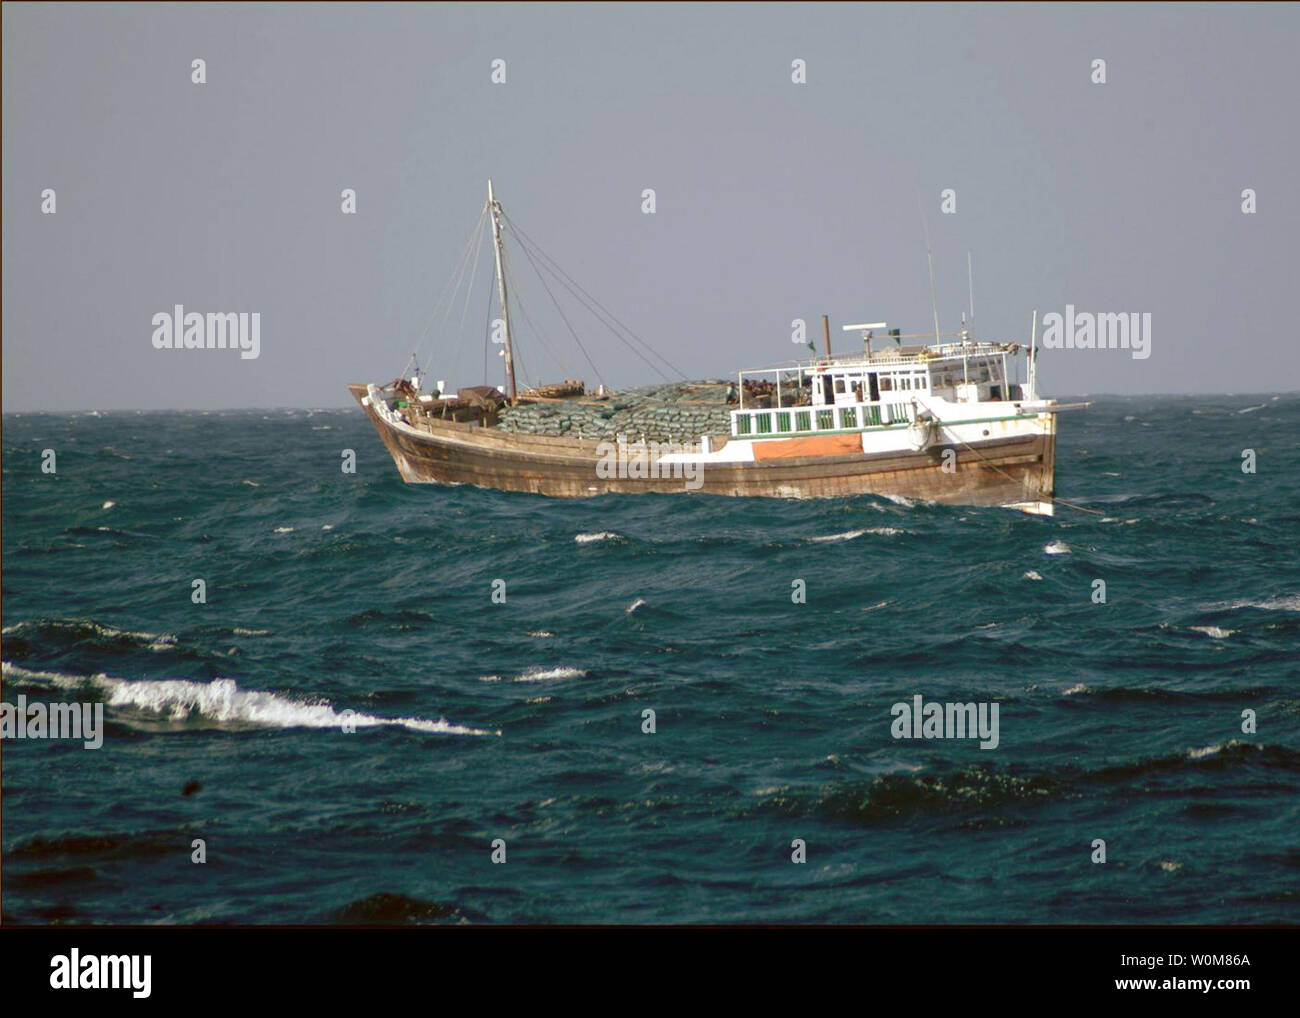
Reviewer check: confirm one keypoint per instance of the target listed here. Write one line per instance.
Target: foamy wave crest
(848, 535)
(1285, 603)
(1212, 750)
(222, 701)
(1056, 548)
(604, 535)
(1214, 631)
(546, 674)
(1276, 604)
(153, 641)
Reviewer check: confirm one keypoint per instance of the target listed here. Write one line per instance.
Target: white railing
(811, 420)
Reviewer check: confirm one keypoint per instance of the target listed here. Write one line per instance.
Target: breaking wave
(222, 701)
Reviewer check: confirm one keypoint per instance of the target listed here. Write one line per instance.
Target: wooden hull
(1002, 471)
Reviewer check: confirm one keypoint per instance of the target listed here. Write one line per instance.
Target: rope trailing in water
(1051, 498)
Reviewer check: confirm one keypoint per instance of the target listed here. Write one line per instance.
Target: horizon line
(350, 406)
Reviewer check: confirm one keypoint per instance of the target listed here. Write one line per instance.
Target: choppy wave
(977, 789)
(604, 535)
(77, 630)
(222, 702)
(850, 535)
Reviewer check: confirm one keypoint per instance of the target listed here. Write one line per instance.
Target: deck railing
(809, 420)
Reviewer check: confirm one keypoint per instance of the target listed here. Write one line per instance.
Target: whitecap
(848, 535)
(547, 674)
(604, 535)
(1286, 603)
(222, 701)
(1033, 574)
(1056, 548)
(1214, 631)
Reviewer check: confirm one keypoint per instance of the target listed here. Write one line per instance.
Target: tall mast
(495, 208)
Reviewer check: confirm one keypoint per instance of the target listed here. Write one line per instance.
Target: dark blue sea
(328, 592)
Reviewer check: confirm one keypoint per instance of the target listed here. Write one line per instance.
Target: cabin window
(803, 420)
(742, 424)
(839, 385)
(825, 420)
(886, 383)
(783, 421)
(849, 417)
(764, 423)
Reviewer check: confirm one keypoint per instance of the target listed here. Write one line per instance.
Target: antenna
(929, 259)
(970, 281)
(1034, 358)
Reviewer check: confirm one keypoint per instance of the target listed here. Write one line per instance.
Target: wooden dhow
(940, 421)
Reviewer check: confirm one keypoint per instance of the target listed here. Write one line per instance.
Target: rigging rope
(467, 262)
(452, 284)
(542, 279)
(576, 290)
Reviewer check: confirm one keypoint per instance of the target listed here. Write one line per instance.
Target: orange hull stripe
(818, 445)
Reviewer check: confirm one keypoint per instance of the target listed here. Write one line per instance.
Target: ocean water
(522, 721)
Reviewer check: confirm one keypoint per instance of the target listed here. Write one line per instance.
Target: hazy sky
(774, 200)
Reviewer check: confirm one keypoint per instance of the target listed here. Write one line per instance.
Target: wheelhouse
(884, 388)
